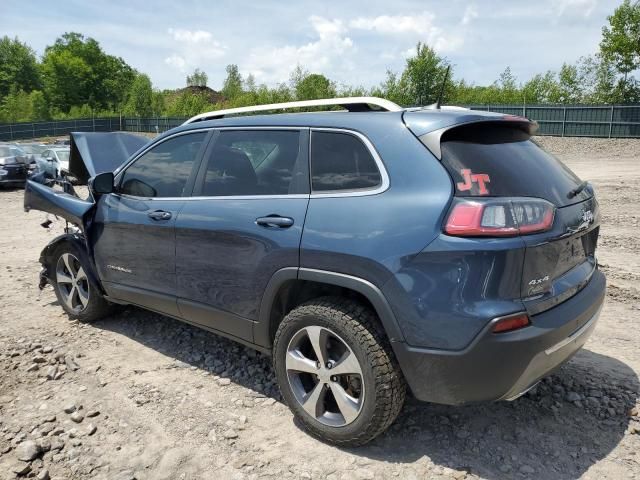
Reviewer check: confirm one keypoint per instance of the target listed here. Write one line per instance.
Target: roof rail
(352, 104)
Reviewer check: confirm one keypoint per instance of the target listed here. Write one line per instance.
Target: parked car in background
(367, 251)
(33, 151)
(13, 165)
(54, 161)
(62, 141)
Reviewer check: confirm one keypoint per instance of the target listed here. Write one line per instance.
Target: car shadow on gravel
(566, 424)
(569, 422)
(190, 346)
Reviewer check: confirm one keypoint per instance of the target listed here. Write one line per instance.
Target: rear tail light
(513, 322)
(499, 217)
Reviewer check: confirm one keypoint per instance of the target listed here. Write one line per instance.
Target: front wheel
(78, 295)
(336, 371)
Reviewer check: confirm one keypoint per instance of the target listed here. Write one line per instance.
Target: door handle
(274, 221)
(159, 215)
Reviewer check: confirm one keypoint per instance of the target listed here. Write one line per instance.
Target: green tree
(540, 88)
(250, 84)
(600, 80)
(76, 72)
(391, 89)
(621, 41)
(423, 76)
(39, 106)
(508, 87)
(314, 86)
(197, 79)
(18, 67)
(187, 104)
(232, 86)
(569, 87)
(158, 103)
(15, 107)
(67, 79)
(140, 101)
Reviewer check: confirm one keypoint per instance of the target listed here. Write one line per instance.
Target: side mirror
(102, 183)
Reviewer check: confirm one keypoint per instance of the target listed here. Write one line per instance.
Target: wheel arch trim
(46, 256)
(261, 332)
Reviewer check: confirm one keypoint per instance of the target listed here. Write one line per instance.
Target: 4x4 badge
(470, 178)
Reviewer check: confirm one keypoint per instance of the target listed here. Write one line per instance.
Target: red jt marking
(470, 178)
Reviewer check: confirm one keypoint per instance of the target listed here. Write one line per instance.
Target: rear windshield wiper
(577, 190)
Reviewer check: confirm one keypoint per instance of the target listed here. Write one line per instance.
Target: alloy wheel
(72, 282)
(325, 376)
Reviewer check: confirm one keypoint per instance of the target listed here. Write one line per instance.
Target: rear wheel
(78, 295)
(337, 372)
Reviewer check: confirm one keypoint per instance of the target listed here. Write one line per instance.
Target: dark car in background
(33, 152)
(367, 251)
(14, 166)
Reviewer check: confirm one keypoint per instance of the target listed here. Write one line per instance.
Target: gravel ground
(138, 395)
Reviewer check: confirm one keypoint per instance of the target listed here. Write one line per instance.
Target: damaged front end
(91, 153)
(60, 203)
(75, 211)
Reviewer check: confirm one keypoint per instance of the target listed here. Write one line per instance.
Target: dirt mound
(209, 93)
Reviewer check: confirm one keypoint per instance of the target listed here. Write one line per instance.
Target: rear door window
(503, 161)
(341, 161)
(255, 162)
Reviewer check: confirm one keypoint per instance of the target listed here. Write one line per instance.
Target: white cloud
(574, 7)
(420, 27)
(269, 64)
(396, 24)
(409, 52)
(470, 14)
(195, 49)
(176, 61)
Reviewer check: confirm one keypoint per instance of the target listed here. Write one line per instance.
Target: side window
(253, 162)
(164, 170)
(340, 161)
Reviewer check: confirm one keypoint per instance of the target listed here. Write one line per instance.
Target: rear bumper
(503, 366)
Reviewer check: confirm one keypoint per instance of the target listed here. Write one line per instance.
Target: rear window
(503, 161)
(340, 161)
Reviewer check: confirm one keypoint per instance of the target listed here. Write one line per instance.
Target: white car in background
(55, 160)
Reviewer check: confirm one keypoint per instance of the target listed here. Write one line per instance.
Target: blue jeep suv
(366, 250)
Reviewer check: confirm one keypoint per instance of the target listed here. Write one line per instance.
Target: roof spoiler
(432, 139)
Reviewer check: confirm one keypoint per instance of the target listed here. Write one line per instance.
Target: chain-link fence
(609, 121)
(59, 128)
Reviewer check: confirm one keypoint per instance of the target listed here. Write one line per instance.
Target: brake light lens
(499, 217)
(508, 324)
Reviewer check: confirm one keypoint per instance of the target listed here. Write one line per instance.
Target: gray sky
(351, 42)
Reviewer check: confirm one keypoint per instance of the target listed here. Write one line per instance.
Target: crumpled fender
(73, 209)
(82, 249)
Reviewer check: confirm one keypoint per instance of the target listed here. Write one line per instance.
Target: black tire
(383, 384)
(96, 306)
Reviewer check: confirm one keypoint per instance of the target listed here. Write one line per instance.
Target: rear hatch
(497, 163)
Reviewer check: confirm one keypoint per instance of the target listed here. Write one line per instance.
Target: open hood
(98, 152)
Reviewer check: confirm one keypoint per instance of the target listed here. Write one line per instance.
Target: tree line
(76, 78)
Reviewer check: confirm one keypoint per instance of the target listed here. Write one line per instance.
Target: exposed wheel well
(296, 292)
